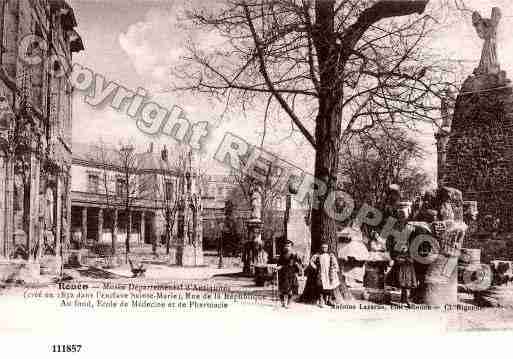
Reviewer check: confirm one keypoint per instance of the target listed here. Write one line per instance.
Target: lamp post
(220, 246)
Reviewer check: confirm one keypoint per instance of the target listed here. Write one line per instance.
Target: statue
(447, 109)
(49, 210)
(487, 30)
(256, 204)
(7, 117)
(188, 182)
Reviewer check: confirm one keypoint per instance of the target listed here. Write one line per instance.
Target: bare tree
(335, 68)
(172, 194)
(374, 161)
(102, 156)
(131, 185)
(177, 164)
(270, 187)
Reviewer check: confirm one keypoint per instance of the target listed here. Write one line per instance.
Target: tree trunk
(328, 121)
(113, 238)
(154, 245)
(114, 225)
(128, 230)
(328, 138)
(168, 231)
(327, 135)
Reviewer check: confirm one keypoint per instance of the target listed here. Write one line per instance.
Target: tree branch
(270, 85)
(379, 11)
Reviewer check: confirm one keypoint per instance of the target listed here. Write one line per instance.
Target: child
(402, 275)
(289, 265)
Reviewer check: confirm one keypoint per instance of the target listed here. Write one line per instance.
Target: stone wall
(27, 88)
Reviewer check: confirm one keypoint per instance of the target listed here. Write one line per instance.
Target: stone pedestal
(173, 255)
(198, 256)
(254, 240)
(51, 265)
(436, 249)
(76, 258)
(497, 296)
(441, 283)
(188, 257)
(298, 231)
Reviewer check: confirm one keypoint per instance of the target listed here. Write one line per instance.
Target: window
(93, 183)
(168, 186)
(121, 188)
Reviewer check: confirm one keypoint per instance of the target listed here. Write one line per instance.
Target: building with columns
(98, 206)
(200, 198)
(38, 39)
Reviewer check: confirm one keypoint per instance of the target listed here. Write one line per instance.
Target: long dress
(326, 266)
(402, 274)
(287, 279)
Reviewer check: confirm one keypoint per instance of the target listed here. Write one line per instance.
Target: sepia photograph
(180, 172)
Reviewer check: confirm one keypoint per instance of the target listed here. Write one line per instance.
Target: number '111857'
(66, 348)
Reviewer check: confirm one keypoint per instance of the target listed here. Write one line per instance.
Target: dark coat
(287, 275)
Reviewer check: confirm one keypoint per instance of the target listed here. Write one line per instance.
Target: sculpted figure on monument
(487, 30)
(256, 204)
(447, 109)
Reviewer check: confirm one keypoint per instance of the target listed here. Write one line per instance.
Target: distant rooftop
(105, 153)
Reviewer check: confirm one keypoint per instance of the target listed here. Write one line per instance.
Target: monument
(253, 244)
(297, 225)
(190, 228)
(475, 152)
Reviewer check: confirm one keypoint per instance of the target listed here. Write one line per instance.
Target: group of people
(405, 273)
(323, 265)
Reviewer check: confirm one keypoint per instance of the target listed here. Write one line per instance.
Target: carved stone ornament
(487, 30)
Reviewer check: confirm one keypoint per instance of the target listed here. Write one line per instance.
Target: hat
(394, 188)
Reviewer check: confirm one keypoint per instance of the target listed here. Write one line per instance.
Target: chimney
(151, 148)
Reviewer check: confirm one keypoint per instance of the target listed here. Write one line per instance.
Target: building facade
(98, 212)
(38, 40)
(99, 189)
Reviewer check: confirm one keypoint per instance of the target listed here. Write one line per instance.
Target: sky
(136, 43)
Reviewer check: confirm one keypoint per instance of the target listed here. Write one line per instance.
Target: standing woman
(289, 265)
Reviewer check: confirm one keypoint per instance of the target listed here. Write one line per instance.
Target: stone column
(142, 228)
(9, 206)
(33, 235)
(68, 207)
(129, 228)
(115, 227)
(154, 227)
(3, 178)
(58, 216)
(10, 37)
(100, 224)
(84, 224)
